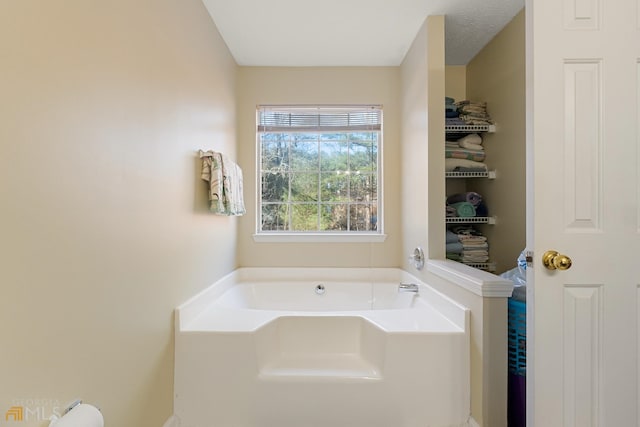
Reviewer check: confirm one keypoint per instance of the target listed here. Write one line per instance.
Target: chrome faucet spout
(409, 287)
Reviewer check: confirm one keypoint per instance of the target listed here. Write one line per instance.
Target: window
(319, 169)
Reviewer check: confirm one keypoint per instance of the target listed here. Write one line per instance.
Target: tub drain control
(320, 289)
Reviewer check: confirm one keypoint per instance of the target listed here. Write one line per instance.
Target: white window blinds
(319, 118)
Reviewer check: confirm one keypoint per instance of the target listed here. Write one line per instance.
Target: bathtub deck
(407, 321)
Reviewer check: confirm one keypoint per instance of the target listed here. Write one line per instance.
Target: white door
(583, 96)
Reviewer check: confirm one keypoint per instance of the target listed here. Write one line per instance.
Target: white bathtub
(321, 347)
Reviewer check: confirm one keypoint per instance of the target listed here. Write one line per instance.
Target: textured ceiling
(352, 32)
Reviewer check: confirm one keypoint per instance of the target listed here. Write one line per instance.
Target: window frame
(377, 235)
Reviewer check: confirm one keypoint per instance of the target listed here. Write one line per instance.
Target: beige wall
(497, 75)
(456, 82)
(317, 85)
(423, 90)
(415, 128)
(104, 221)
(422, 162)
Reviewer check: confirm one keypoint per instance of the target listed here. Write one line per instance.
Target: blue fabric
(481, 209)
(452, 237)
(454, 248)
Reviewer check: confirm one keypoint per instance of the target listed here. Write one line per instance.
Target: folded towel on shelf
(475, 258)
(460, 153)
(477, 252)
(454, 121)
(464, 209)
(471, 146)
(474, 113)
(472, 120)
(472, 239)
(465, 230)
(481, 209)
(459, 165)
(450, 211)
(470, 246)
(454, 257)
(475, 248)
(225, 183)
(454, 248)
(470, 196)
(474, 245)
(451, 237)
(472, 138)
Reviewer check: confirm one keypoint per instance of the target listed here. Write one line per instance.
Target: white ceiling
(352, 32)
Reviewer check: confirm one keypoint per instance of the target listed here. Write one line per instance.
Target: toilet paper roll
(83, 415)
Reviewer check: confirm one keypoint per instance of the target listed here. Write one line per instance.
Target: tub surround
(486, 296)
(321, 346)
(476, 281)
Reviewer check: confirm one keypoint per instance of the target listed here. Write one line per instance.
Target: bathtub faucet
(409, 287)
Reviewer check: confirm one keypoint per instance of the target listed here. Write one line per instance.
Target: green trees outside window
(319, 181)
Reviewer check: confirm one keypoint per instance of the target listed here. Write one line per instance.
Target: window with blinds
(319, 169)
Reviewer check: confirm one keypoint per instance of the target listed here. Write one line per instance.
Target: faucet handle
(417, 258)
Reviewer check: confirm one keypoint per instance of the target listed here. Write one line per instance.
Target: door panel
(582, 360)
(583, 62)
(583, 145)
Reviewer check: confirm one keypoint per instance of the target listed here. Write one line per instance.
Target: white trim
(479, 282)
(312, 236)
(282, 237)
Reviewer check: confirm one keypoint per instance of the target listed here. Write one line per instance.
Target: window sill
(319, 238)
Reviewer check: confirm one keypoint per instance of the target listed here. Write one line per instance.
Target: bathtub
(314, 347)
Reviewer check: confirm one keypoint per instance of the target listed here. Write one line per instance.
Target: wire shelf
(471, 220)
(486, 266)
(470, 128)
(458, 131)
(487, 174)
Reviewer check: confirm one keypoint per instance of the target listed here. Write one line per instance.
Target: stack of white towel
(466, 244)
(465, 155)
(474, 113)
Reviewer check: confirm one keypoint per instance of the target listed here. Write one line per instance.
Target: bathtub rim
(194, 306)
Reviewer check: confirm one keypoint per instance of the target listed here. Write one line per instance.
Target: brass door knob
(552, 260)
